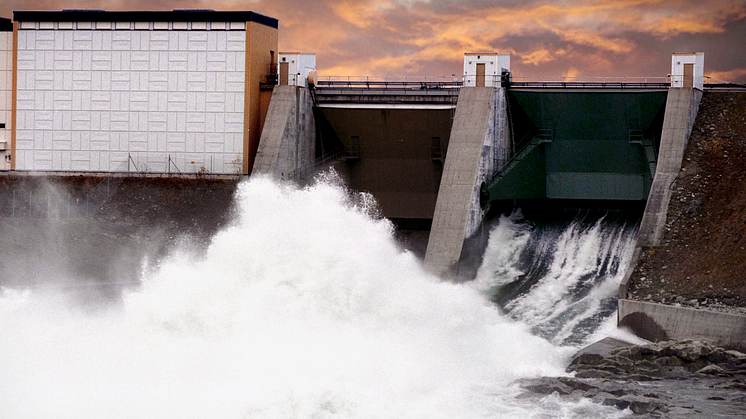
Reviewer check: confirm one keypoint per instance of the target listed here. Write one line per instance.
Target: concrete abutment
(288, 140)
(655, 321)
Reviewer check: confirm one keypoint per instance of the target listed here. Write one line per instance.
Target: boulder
(591, 373)
(547, 385)
(714, 370)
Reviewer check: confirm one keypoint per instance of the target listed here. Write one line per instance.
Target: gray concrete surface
(658, 322)
(288, 138)
(469, 159)
(681, 110)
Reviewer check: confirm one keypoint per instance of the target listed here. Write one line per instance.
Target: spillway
(304, 306)
(558, 273)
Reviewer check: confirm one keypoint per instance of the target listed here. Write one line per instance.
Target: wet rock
(713, 370)
(736, 356)
(671, 361)
(547, 385)
(594, 374)
(575, 384)
(588, 359)
(642, 377)
(620, 376)
(642, 405)
(697, 365)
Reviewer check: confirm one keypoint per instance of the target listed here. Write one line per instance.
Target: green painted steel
(596, 149)
(526, 180)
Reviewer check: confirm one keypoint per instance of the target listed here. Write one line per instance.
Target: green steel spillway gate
(580, 144)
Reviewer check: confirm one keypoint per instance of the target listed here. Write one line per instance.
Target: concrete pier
(288, 139)
(479, 129)
(681, 110)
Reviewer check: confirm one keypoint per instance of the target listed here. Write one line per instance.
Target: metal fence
(456, 81)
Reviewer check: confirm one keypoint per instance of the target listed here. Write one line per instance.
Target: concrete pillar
(681, 110)
(479, 129)
(288, 139)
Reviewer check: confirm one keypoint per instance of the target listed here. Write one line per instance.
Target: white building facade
(132, 91)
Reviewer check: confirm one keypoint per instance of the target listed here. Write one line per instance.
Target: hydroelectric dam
(195, 223)
(437, 153)
(440, 153)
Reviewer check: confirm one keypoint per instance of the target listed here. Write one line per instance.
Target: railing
(713, 83)
(586, 79)
(274, 77)
(456, 81)
(271, 78)
(543, 134)
(591, 82)
(391, 82)
(505, 156)
(636, 136)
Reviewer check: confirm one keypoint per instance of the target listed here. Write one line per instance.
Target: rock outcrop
(664, 379)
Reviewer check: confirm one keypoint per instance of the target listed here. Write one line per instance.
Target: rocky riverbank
(659, 380)
(702, 256)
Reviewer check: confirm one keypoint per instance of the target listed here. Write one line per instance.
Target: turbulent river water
(305, 306)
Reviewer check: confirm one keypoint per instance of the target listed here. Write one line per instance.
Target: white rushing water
(304, 307)
(561, 277)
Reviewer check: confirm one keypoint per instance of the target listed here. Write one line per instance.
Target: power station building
(100, 91)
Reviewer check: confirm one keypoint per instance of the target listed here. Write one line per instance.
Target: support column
(469, 160)
(681, 109)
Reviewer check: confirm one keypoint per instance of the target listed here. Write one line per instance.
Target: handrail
(456, 81)
(518, 148)
(460, 78)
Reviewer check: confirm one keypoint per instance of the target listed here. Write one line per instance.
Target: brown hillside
(702, 259)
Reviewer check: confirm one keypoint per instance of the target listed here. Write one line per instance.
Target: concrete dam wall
(401, 154)
(428, 164)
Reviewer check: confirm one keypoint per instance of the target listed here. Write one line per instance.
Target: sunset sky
(545, 38)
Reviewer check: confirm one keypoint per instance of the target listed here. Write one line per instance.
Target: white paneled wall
(127, 100)
(6, 92)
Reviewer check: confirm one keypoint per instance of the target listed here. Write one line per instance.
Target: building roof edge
(187, 15)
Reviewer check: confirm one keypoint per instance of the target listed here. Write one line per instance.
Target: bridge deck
(440, 92)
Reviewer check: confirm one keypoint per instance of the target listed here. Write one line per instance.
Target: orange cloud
(430, 36)
(728, 76)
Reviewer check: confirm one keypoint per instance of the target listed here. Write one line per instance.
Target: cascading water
(304, 307)
(559, 275)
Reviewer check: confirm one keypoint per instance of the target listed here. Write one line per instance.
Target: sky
(632, 38)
